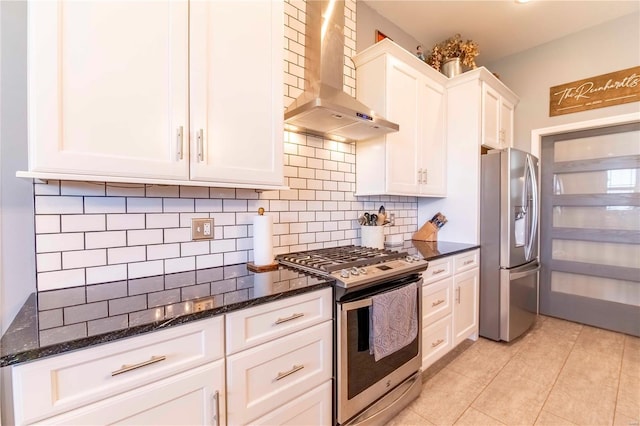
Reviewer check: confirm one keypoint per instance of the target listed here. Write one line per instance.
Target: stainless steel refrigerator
(509, 265)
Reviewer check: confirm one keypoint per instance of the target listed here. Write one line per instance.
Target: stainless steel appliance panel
(508, 242)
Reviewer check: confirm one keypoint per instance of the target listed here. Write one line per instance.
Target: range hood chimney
(324, 109)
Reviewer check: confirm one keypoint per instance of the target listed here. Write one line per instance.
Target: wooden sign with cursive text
(601, 91)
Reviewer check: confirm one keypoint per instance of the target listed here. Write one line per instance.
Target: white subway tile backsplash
(51, 187)
(222, 246)
(194, 248)
(84, 258)
(116, 222)
(177, 235)
(126, 254)
(234, 205)
(94, 240)
(58, 205)
(280, 228)
(82, 188)
(144, 237)
(144, 205)
(222, 193)
(83, 223)
(49, 262)
(162, 191)
(194, 192)
(125, 189)
(60, 279)
(145, 269)
(232, 258)
(208, 205)
(104, 205)
(163, 251)
(163, 220)
(59, 242)
(47, 224)
(103, 274)
(237, 231)
(178, 205)
(209, 261)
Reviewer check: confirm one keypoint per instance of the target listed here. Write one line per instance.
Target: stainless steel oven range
(367, 392)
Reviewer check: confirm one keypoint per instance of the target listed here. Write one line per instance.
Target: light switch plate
(202, 229)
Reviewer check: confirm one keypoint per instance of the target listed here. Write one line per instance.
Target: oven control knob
(409, 259)
(344, 274)
(362, 271)
(355, 271)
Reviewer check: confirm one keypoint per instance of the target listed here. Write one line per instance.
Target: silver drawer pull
(292, 317)
(125, 368)
(282, 375)
(437, 343)
(468, 262)
(437, 302)
(216, 404)
(179, 142)
(438, 271)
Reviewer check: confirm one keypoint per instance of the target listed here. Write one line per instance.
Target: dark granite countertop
(57, 321)
(432, 250)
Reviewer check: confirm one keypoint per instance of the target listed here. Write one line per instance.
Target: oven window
(362, 369)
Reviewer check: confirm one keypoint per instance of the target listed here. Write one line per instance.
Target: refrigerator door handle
(518, 275)
(530, 177)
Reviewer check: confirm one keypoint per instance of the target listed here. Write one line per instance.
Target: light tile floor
(560, 373)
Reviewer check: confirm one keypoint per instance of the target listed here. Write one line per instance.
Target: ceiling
(500, 27)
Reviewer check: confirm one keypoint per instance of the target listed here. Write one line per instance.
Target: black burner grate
(336, 258)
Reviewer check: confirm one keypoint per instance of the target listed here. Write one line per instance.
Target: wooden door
(108, 88)
(590, 227)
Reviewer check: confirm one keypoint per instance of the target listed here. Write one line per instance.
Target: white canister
(372, 236)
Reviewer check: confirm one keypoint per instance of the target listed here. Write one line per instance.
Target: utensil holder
(372, 236)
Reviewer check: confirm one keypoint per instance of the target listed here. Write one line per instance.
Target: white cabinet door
(236, 80)
(506, 123)
(403, 107)
(433, 142)
(465, 307)
(196, 397)
(108, 88)
(312, 408)
(490, 117)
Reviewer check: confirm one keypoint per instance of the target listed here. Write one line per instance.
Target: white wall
(17, 276)
(369, 21)
(606, 48)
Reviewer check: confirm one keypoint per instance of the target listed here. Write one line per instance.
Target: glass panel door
(590, 227)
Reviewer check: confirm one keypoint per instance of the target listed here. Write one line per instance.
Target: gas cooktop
(352, 265)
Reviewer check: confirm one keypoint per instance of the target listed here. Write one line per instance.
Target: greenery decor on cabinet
(453, 47)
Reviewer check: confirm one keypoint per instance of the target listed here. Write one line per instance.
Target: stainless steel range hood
(324, 109)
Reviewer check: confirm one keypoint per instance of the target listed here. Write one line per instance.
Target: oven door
(360, 379)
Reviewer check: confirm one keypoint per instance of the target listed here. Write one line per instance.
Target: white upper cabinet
(497, 118)
(236, 91)
(170, 92)
(406, 91)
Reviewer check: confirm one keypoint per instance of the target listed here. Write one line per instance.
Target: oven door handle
(350, 306)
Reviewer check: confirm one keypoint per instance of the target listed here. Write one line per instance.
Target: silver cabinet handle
(424, 176)
(419, 175)
(179, 139)
(437, 302)
(458, 295)
(128, 367)
(281, 375)
(467, 262)
(438, 271)
(200, 142)
(292, 317)
(437, 343)
(216, 404)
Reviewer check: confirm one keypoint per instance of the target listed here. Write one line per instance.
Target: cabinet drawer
(436, 301)
(265, 377)
(53, 385)
(436, 341)
(313, 408)
(250, 327)
(465, 261)
(194, 397)
(437, 270)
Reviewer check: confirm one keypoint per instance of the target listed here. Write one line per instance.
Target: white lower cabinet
(449, 304)
(196, 397)
(262, 379)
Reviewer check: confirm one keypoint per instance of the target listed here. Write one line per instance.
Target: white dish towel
(394, 321)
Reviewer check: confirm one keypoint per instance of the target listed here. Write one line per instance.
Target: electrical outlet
(203, 304)
(392, 219)
(201, 229)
